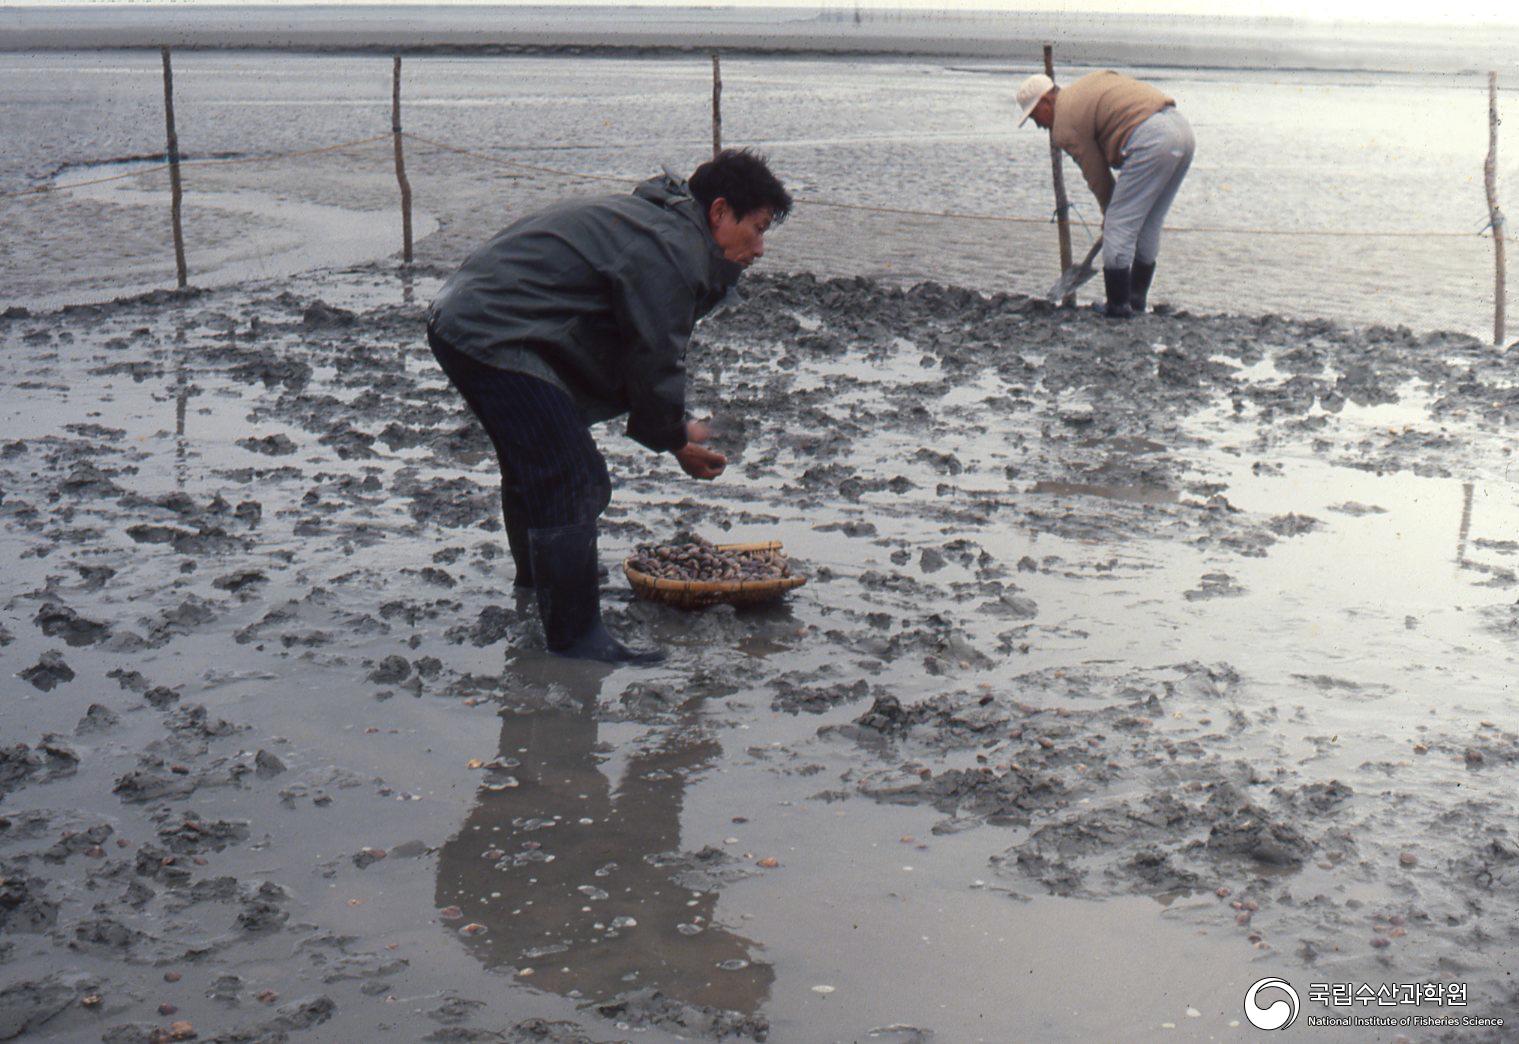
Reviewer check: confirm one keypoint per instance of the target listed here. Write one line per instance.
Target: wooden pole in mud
(1062, 203)
(176, 190)
(395, 130)
(1495, 215)
(717, 106)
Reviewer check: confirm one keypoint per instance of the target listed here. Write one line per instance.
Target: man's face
(1044, 112)
(742, 240)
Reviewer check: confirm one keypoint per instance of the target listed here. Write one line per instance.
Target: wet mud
(1105, 611)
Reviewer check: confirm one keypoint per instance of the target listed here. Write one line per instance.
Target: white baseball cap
(1029, 93)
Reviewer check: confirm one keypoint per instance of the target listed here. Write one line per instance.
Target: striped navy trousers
(552, 474)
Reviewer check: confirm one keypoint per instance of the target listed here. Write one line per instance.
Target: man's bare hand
(698, 431)
(699, 462)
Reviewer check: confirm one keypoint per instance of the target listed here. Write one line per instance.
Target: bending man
(1108, 122)
(578, 314)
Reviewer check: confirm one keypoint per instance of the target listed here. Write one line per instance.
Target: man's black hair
(742, 177)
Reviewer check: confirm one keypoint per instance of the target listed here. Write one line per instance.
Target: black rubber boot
(517, 539)
(1139, 285)
(1118, 282)
(569, 598)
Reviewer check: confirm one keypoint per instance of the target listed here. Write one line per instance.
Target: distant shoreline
(1015, 39)
(1008, 52)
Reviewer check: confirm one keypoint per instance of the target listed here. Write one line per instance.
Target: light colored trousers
(1156, 158)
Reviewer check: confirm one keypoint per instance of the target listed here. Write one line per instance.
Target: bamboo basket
(696, 594)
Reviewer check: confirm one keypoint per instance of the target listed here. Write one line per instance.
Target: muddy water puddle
(1118, 666)
(237, 237)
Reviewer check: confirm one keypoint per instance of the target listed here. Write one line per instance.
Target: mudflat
(1165, 655)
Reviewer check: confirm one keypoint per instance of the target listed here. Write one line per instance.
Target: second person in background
(1105, 122)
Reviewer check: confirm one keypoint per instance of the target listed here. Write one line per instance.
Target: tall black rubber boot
(514, 515)
(1139, 285)
(569, 599)
(1117, 281)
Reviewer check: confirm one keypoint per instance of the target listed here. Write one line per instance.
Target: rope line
(503, 161)
(961, 216)
(868, 208)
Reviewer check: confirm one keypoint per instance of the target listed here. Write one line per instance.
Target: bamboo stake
(395, 130)
(1062, 203)
(176, 204)
(717, 106)
(1490, 177)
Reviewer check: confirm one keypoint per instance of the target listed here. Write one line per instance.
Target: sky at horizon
(1449, 12)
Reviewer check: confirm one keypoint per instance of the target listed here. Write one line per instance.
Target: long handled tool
(1076, 275)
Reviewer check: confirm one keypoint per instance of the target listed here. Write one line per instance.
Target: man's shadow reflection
(553, 865)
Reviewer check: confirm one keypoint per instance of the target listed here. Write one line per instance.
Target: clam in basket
(696, 594)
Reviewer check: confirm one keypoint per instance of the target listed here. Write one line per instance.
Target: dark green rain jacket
(597, 297)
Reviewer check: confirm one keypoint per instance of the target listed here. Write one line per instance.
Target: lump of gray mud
(1012, 606)
(270, 445)
(262, 912)
(650, 1008)
(493, 624)
(1290, 525)
(320, 314)
(195, 720)
(1245, 829)
(294, 1017)
(141, 786)
(1214, 585)
(267, 765)
(49, 671)
(1152, 868)
(1318, 798)
(704, 871)
(1010, 798)
(17, 764)
(887, 717)
(643, 697)
(816, 699)
(98, 718)
(24, 907)
(27, 1005)
(545, 1031)
(239, 581)
(455, 1010)
(132, 681)
(88, 480)
(193, 836)
(392, 671)
(160, 697)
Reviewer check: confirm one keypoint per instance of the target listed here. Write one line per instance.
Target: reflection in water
(181, 402)
(555, 868)
(1462, 559)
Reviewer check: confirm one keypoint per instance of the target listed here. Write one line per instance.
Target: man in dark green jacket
(578, 314)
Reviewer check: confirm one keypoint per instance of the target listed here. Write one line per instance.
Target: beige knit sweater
(1094, 117)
